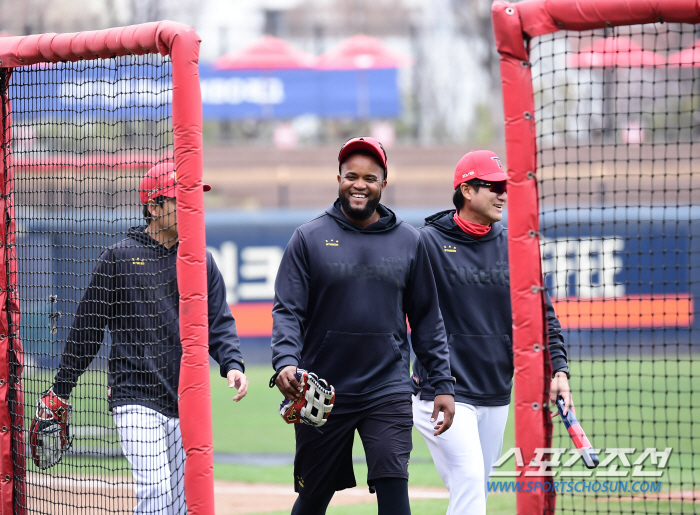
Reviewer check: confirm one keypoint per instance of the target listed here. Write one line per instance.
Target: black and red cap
(479, 164)
(367, 144)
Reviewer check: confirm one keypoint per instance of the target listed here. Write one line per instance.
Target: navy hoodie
(473, 284)
(133, 292)
(342, 295)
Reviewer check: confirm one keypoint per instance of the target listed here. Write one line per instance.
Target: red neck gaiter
(472, 229)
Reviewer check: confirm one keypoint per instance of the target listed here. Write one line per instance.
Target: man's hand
(560, 386)
(446, 404)
(49, 436)
(237, 380)
(287, 383)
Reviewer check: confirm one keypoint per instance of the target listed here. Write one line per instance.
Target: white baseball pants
(153, 445)
(465, 453)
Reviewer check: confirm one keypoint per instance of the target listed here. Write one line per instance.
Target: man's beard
(359, 214)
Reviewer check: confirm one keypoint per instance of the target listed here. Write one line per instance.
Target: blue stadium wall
(643, 259)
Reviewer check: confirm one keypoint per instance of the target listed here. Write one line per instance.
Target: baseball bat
(590, 458)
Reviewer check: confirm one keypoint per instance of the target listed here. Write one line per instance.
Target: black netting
(618, 135)
(79, 140)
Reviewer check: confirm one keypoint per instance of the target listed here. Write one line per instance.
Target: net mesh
(98, 299)
(618, 136)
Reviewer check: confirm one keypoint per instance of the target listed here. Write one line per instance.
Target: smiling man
(347, 282)
(468, 249)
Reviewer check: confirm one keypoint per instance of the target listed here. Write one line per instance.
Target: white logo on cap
(467, 174)
(498, 162)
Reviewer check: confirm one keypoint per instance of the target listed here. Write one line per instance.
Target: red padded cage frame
(514, 25)
(181, 43)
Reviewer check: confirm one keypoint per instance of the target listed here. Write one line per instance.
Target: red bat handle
(590, 458)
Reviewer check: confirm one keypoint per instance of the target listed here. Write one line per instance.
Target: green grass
(254, 473)
(268, 434)
(640, 404)
(254, 425)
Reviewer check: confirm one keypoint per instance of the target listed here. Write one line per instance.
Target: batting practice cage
(89, 299)
(602, 114)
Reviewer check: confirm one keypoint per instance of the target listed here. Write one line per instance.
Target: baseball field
(254, 428)
(660, 389)
(639, 403)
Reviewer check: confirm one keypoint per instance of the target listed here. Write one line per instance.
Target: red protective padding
(513, 23)
(538, 17)
(6, 465)
(12, 407)
(194, 391)
(182, 44)
(533, 429)
(148, 38)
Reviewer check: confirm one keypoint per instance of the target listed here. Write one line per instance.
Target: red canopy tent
(612, 53)
(615, 51)
(268, 53)
(687, 58)
(362, 52)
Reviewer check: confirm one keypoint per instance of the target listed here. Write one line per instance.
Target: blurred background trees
(450, 94)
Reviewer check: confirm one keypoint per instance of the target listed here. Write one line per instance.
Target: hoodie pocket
(483, 365)
(358, 363)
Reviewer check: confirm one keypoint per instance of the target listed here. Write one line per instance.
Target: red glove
(48, 436)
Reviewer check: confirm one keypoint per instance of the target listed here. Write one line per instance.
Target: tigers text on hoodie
(342, 296)
(473, 284)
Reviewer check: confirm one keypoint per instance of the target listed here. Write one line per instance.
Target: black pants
(392, 499)
(323, 462)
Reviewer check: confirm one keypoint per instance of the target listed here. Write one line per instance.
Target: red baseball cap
(479, 164)
(363, 143)
(160, 181)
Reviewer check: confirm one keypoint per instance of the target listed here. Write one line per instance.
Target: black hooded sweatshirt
(342, 295)
(473, 284)
(133, 292)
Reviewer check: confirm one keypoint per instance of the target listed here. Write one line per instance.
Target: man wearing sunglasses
(468, 249)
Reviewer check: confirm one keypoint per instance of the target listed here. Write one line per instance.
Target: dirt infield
(79, 495)
(93, 496)
(90, 496)
(236, 498)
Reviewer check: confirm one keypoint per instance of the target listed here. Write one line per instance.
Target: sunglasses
(494, 187)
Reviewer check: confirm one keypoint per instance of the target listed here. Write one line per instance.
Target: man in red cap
(347, 281)
(158, 193)
(133, 293)
(468, 249)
